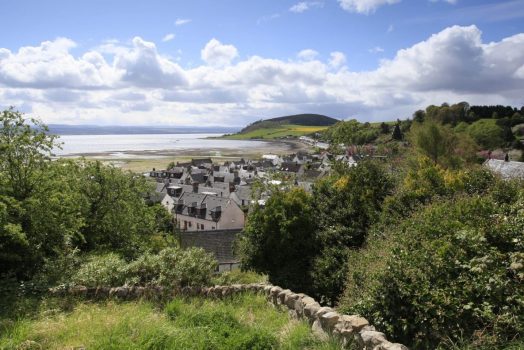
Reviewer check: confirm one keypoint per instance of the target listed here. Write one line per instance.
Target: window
(213, 228)
(189, 223)
(202, 226)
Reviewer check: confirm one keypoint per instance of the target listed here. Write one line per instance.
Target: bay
(147, 145)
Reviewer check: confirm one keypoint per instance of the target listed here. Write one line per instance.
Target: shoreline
(145, 160)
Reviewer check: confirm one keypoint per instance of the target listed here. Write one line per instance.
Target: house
(273, 158)
(292, 168)
(506, 169)
(241, 195)
(206, 212)
(225, 177)
(312, 174)
(163, 198)
(202, 163)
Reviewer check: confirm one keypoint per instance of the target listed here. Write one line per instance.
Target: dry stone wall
(325, 322)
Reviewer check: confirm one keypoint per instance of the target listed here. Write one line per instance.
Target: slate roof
(507, 170)
(312, 174)
(197, 199)
(199, 162)
(290, 167)
(243, 193)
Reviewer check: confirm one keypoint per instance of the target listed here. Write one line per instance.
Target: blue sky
(230, 62)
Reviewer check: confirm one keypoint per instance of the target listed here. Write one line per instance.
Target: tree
(118, 217)
(441, 145)
(487, 133)
(278, 239)
(384, 128)
(397, 133)
(419, 116)
(25, 149)
(346, 204)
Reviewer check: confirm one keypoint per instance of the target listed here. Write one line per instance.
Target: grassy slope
(240, 323)
(276, 132)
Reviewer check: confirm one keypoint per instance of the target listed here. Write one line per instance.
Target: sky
(232, 62)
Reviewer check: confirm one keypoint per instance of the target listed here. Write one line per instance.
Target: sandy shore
(141, 161)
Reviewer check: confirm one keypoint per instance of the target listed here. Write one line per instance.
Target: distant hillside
(287, 126)
(297, 119)
(305, 119)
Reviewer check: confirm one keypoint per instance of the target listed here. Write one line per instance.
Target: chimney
(195, 187)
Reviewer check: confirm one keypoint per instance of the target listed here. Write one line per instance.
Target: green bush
(172, 268)
(101, 270)
(188, 267)
(486, 133)
(452, 271)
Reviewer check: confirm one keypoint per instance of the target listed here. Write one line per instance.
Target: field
(244, 322)
(277, 132)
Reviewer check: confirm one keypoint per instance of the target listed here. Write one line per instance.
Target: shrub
(101, 270)
(454, 271)
(486, 133)
(172, 268)
(189, 267)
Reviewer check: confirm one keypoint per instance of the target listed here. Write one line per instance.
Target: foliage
(440, 144)
(352, 132)
(278, 240)
(24, 149)
(171, 267)
(101, 270)
(187, 267)
(486, 133)
(346, 204)
(453, 271)
(51, 208)
(397, 133)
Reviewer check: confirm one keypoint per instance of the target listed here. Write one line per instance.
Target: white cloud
(51, 64)
(391, 28)
(376, 49)
(307, 54)
(182, 21)
(305, 5)
(168, 37)
(217, 54)
(364, 6)
(337, 59)
(142, 66)
(135, 84)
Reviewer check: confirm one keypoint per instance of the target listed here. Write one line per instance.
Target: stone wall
(325, 322)
(219, 243)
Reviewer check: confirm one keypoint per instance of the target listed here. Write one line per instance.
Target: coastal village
(210, 202)
(204, 196)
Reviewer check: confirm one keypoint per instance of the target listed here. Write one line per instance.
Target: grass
(277, 132)
(244, 322)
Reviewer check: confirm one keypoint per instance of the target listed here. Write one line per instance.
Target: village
(203, 196)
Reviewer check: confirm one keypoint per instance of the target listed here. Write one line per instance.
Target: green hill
(292, 125)
(304, 119)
